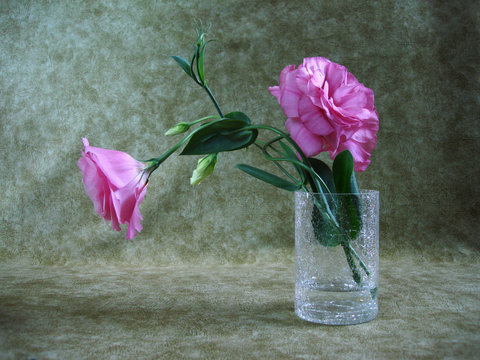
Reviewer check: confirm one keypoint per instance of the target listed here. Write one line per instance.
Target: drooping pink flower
(327, 109)
(116, 183)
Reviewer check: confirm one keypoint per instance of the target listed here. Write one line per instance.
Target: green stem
(351, 262)
(160, 159)
(204, 118)
(285, 171)
(360, 261)
(207, 89)
(316, 187)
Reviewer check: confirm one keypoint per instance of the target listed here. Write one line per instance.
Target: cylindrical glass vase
(336, 256)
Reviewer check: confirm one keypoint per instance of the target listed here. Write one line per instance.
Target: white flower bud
(178, 129)
(205, 167)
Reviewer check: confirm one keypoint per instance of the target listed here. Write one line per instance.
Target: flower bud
(205, 167)
(178, 129)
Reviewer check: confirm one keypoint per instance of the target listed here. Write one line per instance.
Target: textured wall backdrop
(102, 69)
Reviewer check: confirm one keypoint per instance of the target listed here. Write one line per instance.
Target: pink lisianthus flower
(116, 183)
(327, 109)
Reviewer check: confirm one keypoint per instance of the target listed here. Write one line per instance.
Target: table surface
(426, 310)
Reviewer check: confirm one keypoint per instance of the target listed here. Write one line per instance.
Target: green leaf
(184, 65)
(342, 171)
(324, 229)
(345, 182)
(238, 115)
(290, 154)
(201, 73)
(218, 136)
(200, 61)
(323, 170)
(269, 178)
(194, 56)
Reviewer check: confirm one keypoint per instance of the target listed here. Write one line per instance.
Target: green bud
(178, 129)
(205, 167)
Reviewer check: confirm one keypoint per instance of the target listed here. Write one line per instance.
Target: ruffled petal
(310, 143)
(360, 155)
(275, 91)
(290, 95)
(119, 167)
(134, 225)
(302, 78)
(316, 63)
(313, 117)
(335, 76)
(283, 74)
(94, 184)
(126, 202)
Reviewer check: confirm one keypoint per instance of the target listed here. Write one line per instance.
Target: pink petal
(335, 76)
(126, 201)
(313, 117)
(360, 155)
(310, 143)
(275, 91)
(134, 225)
(365, 136)
(290, 95)
(117, 166)
(93, 182)
(316, 63)
(113, 215)
(354, 99)
(302, 78)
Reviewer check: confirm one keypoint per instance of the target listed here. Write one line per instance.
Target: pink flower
(328, 110)
(116, 183)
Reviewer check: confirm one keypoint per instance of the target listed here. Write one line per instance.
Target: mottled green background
(212, 275)
(102, 69)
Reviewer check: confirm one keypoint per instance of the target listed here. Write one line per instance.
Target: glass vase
(336, 257)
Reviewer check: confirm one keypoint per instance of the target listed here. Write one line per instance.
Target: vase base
(335, 307)
(325, 317)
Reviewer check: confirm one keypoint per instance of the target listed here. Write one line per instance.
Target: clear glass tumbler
(336, 256)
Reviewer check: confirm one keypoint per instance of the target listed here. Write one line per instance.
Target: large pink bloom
(116, 183)
(328, 110)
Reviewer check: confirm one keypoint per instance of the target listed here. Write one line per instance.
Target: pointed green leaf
(238, 115)
(324, 229)
(194, 56)
(342, 171)
(323, 170)
(345, 182)
(184, 65)
(200, 61)
(218, 136)
(269, 178)
(201, 74)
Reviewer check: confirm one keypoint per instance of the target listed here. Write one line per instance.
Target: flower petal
(313, 117)
(310, 143)
(316, 64)
(94, 183)
(290, 95)
(134, 224)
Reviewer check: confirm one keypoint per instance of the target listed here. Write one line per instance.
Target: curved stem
(316, 188)
(205, 118)
(285, 171)
(207, 89)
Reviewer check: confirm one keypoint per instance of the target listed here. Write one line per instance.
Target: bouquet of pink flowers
(327, 109)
